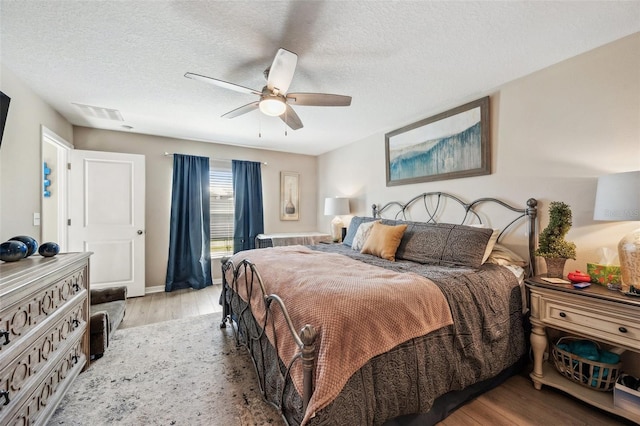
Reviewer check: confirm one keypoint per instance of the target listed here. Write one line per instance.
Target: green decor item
(551, 244)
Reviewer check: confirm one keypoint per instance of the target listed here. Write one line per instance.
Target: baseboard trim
(160, 288)
(154, 289)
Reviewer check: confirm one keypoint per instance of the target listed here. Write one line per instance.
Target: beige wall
(158, 185)
(553, 133)
(20, 156)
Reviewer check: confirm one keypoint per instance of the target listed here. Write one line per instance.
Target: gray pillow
(444, 244)
(353, 228)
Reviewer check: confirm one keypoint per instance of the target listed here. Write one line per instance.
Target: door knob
(139, 231)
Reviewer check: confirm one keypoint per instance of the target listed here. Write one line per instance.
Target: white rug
(180, 372)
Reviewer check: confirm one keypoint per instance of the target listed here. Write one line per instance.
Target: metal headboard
(436, 201)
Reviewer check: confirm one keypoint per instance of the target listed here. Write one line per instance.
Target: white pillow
(362, 234)
(503, 256)
(492, 240)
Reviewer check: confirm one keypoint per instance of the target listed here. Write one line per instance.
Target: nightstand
(596, 313)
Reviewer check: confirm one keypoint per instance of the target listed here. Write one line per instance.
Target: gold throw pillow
(384, 240)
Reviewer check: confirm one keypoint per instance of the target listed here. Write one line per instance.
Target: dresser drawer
(612, 326)
(21, 316)
(30, 359)
(38, 406)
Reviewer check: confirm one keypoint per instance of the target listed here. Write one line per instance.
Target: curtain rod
(169, 154)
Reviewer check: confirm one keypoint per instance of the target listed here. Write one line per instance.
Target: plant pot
(555, 266)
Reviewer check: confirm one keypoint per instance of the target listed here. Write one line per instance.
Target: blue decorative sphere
(12, 251)
(31, 243)
(49, 249)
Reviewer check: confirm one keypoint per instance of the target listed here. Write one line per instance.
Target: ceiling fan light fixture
(273, 106)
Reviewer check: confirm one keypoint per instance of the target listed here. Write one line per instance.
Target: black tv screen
(4, 110)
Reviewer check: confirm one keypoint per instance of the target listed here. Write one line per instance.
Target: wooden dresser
(44, 339)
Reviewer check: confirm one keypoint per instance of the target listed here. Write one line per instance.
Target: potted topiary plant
(551, 245)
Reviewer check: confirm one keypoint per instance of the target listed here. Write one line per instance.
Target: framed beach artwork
(453, 144)
(289, 196)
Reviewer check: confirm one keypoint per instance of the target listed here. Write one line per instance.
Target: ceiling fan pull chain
(259, 126)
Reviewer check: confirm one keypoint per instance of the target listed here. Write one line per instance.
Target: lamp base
(629, 254)
(336, 229)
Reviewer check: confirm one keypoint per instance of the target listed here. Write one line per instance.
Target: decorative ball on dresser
(12, 251)
(49, 249)
(30, 242)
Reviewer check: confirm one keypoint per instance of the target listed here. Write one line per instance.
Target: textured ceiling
(400, 61)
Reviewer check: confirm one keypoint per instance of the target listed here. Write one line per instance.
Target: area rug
(180, 372)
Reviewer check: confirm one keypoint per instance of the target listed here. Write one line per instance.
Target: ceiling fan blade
(318, 99)
(291, 118)
(220, 83)
(242, 110)
(281, 71)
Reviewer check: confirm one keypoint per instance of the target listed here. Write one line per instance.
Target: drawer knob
(5, 395)
(563, 315)
(75, 359)
(75, 322)
(622, 329)
(5, 334)
(76, 286)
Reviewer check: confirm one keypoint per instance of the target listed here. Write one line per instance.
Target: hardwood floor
(158, 307)
(515, 402)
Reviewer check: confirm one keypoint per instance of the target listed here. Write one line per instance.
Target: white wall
(20, 156)
(553, 133)
(159, 170)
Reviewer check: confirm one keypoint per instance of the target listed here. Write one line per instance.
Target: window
(221, 190)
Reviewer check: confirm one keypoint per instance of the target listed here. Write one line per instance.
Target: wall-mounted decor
(289, 196)
(46, 171)
(449, 145)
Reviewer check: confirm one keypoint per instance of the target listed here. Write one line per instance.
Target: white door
(106, 211)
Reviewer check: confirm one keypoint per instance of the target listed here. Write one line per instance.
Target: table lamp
(618, 199)
(336, 207)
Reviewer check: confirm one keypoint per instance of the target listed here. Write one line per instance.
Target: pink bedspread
(358, 310)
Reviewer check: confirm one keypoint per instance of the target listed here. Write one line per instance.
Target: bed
(383, 335)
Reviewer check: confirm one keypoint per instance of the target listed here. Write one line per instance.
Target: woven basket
(591, 374)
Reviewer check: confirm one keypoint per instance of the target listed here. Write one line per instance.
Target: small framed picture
(289, 196)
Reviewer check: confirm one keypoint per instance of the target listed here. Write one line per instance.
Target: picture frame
(450, 145)
(289, 196)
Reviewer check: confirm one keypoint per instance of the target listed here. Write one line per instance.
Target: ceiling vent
(99, 112)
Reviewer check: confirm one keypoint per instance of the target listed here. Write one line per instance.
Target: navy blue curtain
(190, 237)
(248, 214)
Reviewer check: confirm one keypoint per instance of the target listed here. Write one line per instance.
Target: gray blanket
(486, 337)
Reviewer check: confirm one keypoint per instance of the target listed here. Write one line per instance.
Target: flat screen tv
(4, 110)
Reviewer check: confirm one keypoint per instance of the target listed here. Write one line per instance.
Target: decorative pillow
(384, 240)
(444, 244)
(500, 255)
(362, 234)
(353, 228)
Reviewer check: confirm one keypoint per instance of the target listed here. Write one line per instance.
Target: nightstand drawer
(607, 325)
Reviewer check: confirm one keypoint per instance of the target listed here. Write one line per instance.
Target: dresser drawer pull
(563, 315)
(5, 334)
(76, 286)
(622, 329)
(75, 322)
(75, 359)
(5, 395)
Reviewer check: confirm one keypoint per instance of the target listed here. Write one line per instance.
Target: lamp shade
(618, 197)
(336, 206)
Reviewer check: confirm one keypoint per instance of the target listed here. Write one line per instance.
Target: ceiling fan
(274, 97)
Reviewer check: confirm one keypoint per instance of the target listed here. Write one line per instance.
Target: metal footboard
(245, 274)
